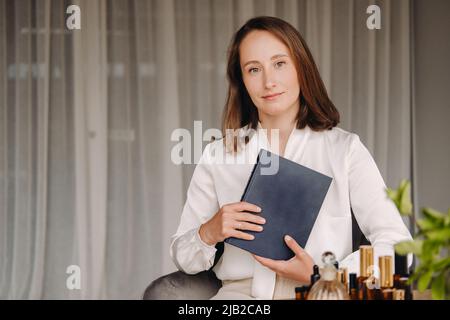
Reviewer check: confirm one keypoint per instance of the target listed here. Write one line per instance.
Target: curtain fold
(91, 165)
(41, 189)
(86, 118)
(3, 157)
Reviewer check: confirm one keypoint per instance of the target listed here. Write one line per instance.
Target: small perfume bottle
(353, 287)
(315, 275)
(386, 277)
(365, 273)
(301, 293)
(398, 294)
(401, 276)
(342, 277)
(327, 287)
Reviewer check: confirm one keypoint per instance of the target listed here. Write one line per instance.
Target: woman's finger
(245, 206)
(269, 263)
(242, 235)
(250, 217)
(294, 246)
(248, 226)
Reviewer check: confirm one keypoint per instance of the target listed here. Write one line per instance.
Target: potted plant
(431, 245)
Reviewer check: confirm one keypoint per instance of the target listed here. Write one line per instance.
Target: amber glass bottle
(401, 276)
(353, 287)
(365, 271)
(386, 277)
(399, 294)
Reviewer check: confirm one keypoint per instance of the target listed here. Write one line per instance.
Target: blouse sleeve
(376, 214)
(187, 250)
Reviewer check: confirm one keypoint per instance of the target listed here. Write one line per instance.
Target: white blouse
(220, 178)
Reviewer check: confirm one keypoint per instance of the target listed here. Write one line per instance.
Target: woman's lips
(272, 96)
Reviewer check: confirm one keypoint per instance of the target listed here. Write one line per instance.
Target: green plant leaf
(426, 224)
(410, 246)
(429, 249)
(394, 196)
(439, 235)
(431, 245)
(447, 219)
(416, 274)
(438, 287)
(405, 198)
(441, 264)
(434, 214)
(424, 281)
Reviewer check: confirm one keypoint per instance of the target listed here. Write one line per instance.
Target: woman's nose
(269, 80)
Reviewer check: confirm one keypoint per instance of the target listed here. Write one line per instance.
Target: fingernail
(259, 209)
(287, 238)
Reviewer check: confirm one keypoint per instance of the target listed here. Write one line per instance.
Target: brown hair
(316, 109)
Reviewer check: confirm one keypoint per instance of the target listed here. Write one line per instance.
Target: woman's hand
(298, 268)
(229, 221)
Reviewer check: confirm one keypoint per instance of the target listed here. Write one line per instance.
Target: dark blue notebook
(290, 201)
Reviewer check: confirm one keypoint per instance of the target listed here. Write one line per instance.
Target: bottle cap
(316, 275)
(352, 281)
(401, 265)
(365, 261)
(386, 276)
(316, 269)
(329, 271)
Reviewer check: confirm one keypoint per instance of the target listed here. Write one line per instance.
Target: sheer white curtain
(145, 191)
(36, 143)
(86, 118)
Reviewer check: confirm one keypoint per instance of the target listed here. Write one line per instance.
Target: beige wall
(432, 102)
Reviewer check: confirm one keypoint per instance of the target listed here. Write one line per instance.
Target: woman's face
(269, 73)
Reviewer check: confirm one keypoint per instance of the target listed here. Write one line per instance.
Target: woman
(275, 87)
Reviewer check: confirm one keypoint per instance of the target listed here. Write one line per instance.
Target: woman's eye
(279, 64)
(253, 70)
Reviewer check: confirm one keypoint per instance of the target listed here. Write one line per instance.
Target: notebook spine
(252, 178)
